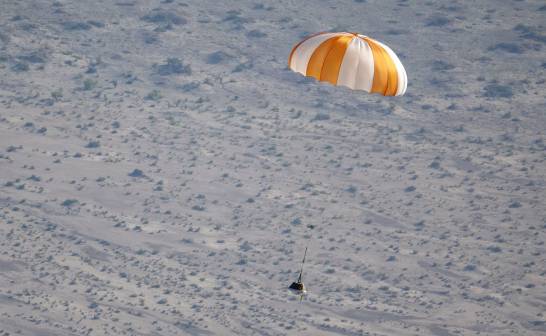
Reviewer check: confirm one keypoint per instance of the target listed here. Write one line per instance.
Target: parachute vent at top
(352, 60)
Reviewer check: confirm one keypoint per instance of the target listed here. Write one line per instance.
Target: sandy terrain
(161, 171)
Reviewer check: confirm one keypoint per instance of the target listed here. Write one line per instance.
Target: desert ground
(162, 170)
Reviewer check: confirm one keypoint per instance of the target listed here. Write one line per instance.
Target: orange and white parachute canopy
(351, 60)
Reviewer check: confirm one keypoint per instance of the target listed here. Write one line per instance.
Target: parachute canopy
(352, 60)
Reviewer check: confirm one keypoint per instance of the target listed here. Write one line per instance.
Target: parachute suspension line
(302, 263)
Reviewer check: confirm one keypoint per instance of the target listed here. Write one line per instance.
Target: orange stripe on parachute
(325, 61)
(300, 43)
(332, 62)
(385, 77)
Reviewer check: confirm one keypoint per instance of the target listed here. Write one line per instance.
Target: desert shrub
(75, 25)
(437, 21)
(89, 84)
(508, 47)
(235, 17)
(256, 34)
(4, 38)
(93, 144)
(20, 67)
(164, 17)
(498, 91)
(216, 57)
(150, 38)
(96, 24)
(172, 66)
(321, 117)
(441, 66)
(530, 33)
(33, 57)
(136, 173)
(69, 202)
(57, 94)
(155, 95)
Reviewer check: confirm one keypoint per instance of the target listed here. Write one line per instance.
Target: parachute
(352, 60)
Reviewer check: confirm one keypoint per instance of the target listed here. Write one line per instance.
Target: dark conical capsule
(298, 286)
